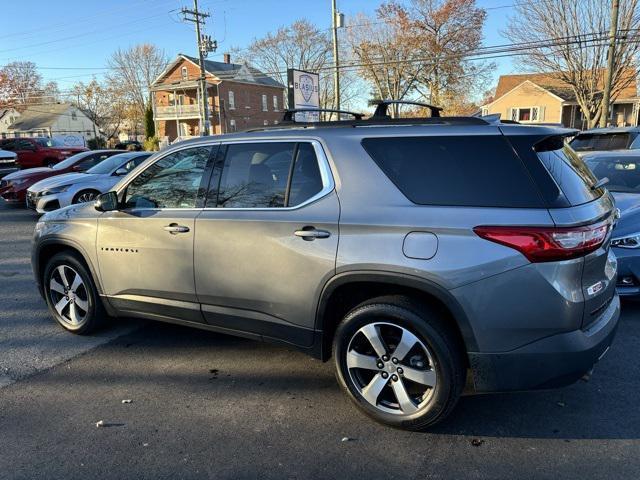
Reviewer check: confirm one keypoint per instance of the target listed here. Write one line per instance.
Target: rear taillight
(548, 244)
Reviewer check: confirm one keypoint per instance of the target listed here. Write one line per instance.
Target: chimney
(227, 58)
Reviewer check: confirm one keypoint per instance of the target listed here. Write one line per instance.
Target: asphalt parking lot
(207, 405)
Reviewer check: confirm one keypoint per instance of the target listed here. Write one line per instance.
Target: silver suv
(417, 253)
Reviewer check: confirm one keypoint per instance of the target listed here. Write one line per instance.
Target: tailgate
(599, 267)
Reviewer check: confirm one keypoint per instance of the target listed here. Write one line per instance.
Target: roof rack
(289, 115)
(383, 106)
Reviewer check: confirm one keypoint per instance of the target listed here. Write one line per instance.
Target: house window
(74, 115)
(275, 103)
(185, 73)
(526, 114)
(265, 123)
(232, 124)
(485, 111)
(232, 101)
(264, 103)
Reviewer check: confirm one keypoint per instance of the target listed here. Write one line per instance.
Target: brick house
(544, 98)
(238, 96)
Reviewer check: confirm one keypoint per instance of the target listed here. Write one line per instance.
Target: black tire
(93, 193)
(84, 295)
(444, 353)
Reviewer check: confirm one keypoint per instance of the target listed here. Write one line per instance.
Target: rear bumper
(551, 362)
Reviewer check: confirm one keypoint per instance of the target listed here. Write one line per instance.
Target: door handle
(174, 228)
(310, 233)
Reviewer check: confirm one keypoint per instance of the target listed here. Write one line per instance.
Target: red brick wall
(248, 112)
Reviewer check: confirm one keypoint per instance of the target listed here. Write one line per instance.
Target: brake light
(548, 244)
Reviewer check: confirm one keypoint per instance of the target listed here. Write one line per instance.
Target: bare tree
(134, 70)
(570, 38)
(103, 104)
(21, 85)
(303, 46)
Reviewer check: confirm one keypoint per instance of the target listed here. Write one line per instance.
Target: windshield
(110, 164)
(70, 161)
(623, 173)
(600, 141)
(49, 142)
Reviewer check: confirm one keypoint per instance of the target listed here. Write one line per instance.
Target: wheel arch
(50, 247)
(344, 291)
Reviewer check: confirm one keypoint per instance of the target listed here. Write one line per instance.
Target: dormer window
(185, 73)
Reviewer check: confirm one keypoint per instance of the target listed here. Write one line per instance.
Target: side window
(91, 161)
(306, 180)
(24, 145)
(9, 145)
(171, 182)
(255, 175)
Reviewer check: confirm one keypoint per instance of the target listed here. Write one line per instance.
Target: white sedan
(63, 190)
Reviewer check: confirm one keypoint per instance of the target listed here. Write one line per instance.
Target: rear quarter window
(480, 171)
(570, 172)
(601, 141)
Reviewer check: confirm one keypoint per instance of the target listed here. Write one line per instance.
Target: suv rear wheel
(71, 294)
(399, 362)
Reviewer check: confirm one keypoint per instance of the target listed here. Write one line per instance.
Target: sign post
(304, 92)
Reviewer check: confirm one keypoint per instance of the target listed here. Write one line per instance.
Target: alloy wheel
(69, 295)
(391, 368)
(86, 197)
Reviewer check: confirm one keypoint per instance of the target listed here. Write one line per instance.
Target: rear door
(586, 206)
(267, 240)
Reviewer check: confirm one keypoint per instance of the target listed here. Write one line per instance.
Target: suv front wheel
(399, 362)
(71, 294)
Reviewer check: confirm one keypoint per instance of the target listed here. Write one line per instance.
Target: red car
(39, 151)
(13, 187)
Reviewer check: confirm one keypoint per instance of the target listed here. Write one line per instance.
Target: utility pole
(338, 20)
(606, 97)
(205, 45)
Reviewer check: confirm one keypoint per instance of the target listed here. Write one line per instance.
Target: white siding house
(55, 120)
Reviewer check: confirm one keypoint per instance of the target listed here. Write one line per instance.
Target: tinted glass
(306, 180)
(24, 145)
(171, 182)
(111, 164)
(570, 173)
(601, 141)
(255, 175)
(71, 160)
(623, 173)
(8, 145)
(477, 171)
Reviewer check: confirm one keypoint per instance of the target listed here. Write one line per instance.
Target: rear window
(601, 141)
(568, 170)
(480, 171)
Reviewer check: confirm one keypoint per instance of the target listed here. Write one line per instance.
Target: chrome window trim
(328, 183)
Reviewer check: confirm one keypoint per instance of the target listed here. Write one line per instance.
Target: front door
(267, 241)
(145, 249)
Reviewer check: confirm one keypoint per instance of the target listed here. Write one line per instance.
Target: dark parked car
(39, 151)
(623, 171)
(13, 187)
(131, 145)
(606, 140)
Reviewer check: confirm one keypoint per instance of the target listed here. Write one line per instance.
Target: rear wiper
(600, 183)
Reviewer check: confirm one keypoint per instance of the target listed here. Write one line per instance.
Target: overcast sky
(71, 40)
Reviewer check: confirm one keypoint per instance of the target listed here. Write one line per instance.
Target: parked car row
(77, 179)
(490, 259)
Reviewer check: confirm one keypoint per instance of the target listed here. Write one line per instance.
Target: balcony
(177, 111)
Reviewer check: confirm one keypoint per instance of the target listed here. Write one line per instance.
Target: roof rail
(289, 115)
(383, 106)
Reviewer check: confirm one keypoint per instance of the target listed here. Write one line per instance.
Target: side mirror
(121, 172)
(107, 202)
